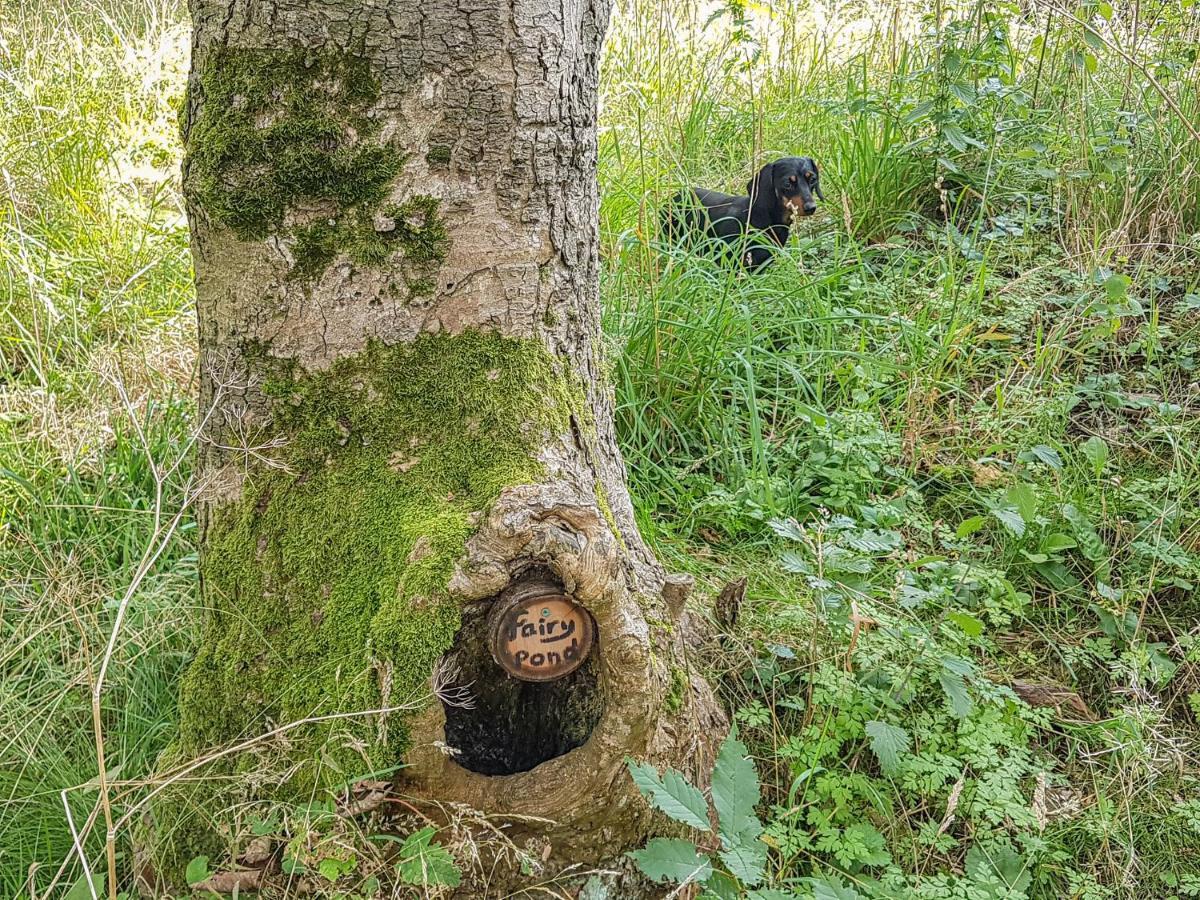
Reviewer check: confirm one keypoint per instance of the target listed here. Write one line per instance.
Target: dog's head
(786, 187)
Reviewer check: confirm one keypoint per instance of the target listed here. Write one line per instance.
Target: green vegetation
(950, 436)
(317, 142)
(295, 603)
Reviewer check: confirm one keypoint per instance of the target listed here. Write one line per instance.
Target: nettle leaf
(672, 793)
(1116, 286)
(969, 526)
(795, 563)
(888, 743)
(747, 863)
(788, 528)
(196, 871)
(1010, 519)
(874, 541)
(672, 860)
(426, 863)
(735, 793)
(955, 687)
(832, 888)
(970, 625)
(721, 886)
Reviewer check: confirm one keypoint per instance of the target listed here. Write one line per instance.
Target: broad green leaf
(1095, 451)
(672, 860)
(197, 870)
(425, 863)
(970, 625)
(1024, 498)
(956, 692)
(672, 793)
(969, 526)
(747, 863)
(1048, 455)
(735, 793)
(330, 869)
(81, 890)
(1053, 543)
(832, 888)
(888, 743)
(721, 886)
(771, 894)
(1116, 286)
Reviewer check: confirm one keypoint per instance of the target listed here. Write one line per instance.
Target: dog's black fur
(779, 191)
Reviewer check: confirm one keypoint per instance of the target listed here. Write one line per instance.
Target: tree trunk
(407, 429)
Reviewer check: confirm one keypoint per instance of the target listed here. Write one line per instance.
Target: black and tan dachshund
(755, 224)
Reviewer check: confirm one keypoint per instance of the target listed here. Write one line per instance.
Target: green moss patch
(327, 581)
(414, 228)
(277, 128)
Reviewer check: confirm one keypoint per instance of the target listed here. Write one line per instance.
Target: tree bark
(394, 224)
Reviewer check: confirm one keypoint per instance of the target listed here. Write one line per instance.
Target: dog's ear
(761, 189)
(816, 185)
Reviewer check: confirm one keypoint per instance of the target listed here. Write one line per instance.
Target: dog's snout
(810, 208)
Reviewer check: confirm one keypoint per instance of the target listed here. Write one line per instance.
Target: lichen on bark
(326, 581)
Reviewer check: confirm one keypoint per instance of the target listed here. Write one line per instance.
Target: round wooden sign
(542, 638)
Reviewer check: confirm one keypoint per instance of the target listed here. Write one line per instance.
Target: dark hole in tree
(513, 725)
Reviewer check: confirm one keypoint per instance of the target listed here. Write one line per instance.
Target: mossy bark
(393, 212)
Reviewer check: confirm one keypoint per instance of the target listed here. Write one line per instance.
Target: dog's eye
(810, 177)
(791, 179)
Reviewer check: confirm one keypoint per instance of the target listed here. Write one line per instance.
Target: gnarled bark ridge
(394, 222)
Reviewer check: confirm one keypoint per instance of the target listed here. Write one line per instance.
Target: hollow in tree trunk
(407, 432)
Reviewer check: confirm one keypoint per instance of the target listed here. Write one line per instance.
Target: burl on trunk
(408, 456)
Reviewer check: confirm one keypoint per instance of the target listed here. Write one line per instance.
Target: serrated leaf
(970, 625)
(672, 793)
(747, 863)
(787, 528)
(770, 894)
(1010, 519)
(969, 526)
(832, 888)
(955, 687)
(795, 563)
(425, 863)
(735, 793)
(888, 743)
(721, 886)
(874, 541)
(1116, 287)
(196, 871)
(672, 860)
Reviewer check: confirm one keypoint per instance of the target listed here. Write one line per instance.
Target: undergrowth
(949, 435)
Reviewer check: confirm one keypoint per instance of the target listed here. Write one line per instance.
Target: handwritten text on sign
(544, 638)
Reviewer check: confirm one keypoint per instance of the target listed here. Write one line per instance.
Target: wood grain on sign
(542, 638)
